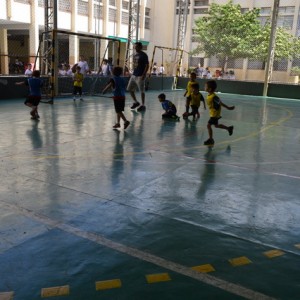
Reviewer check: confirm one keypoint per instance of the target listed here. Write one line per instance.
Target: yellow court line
(108, 284)
(154, 278)
(273, 253)
(55, 291)
(240, 261)
(204, 268)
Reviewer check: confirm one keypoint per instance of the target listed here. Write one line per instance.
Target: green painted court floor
(88, 212)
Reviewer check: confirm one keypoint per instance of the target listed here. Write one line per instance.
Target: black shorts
(214, 121)
(119, 103)
(34, 100)
(77, 89)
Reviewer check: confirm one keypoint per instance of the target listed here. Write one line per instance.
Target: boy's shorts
(34, 100)
(136, 82)
(214, 120)
(119, 103)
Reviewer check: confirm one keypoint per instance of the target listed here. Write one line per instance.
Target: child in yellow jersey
(214, 104)
(195, 102)
(188, 93)
(78, 80)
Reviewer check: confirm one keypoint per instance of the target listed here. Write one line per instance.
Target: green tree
(226, 33)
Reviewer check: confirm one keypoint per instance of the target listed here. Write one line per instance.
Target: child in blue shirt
(35, 84)
(169, 107)
(117, 84)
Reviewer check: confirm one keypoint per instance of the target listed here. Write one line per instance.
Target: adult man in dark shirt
(138, 78)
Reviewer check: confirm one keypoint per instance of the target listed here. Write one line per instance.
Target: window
(147, 23)
(264, 20)
(280, 65)
(265, 10)
(235, 63)
(285, 22)
(287, 10)
(256, 65)
(201, 3)
(200, 11)
(64, 5)
(125, 5)
(147, 12)
(244, 10)
(112, 2)
(182, 10)
(83, 8)
(112, 15)
(98, 11)
(125, 18)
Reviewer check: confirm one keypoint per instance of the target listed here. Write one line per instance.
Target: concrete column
(34, 33)
(4, 61)
(91, 16)
(245, 68)
(73, 39)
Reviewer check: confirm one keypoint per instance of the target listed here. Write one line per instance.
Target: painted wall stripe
(108, 284)
(55, 291)
(153, 278)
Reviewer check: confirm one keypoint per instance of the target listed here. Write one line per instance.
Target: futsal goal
(60, 50)
(167, 62)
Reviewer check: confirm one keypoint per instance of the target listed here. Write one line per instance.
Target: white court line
(145, 256)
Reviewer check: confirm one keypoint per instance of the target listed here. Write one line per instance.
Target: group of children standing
(193, 101)
(117, 84)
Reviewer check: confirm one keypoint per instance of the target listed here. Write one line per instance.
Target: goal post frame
(54, 56)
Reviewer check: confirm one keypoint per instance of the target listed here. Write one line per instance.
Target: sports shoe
(185, 115)
(37, 115)
(126, 124)
(116, 126)
(74, 99)
(135, 105)
(230, 130)
(209, 142)
(142, 108)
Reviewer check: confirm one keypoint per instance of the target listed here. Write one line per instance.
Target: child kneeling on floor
(169, 107)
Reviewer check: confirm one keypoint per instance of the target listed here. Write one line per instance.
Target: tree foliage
(226, 32)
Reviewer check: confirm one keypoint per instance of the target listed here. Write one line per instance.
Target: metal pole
(272, 46)
(137, 21)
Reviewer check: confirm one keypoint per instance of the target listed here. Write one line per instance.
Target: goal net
(60, 52)
(167, 62)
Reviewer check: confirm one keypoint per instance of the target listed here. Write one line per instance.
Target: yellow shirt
(78, 79)
(189, 90)
(196, 99)
(213, 112)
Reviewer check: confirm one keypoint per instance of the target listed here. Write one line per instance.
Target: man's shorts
(34, 100)
(214, 121)
(136, 82)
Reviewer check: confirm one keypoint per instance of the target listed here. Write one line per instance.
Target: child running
(33, 99)
(117, 84)
(195, 102)
(78, 80)
(214, 104)
(169, 107)
(188, 93)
